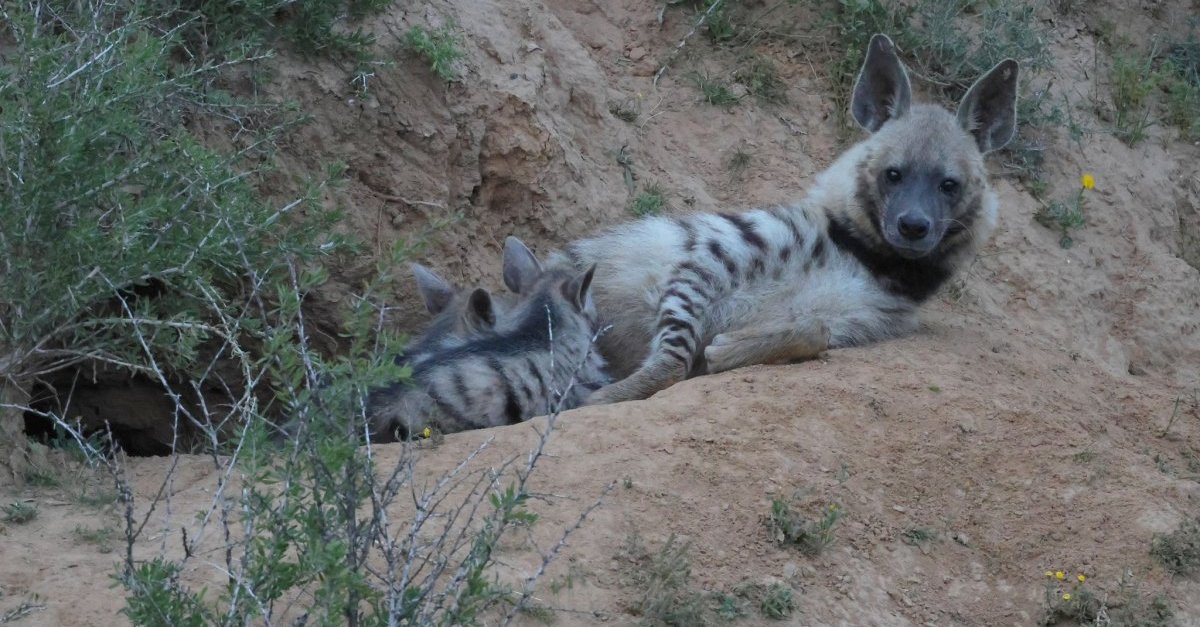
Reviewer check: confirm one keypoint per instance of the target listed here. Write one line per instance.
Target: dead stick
(700, 22)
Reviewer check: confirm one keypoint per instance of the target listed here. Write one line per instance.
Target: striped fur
(541, 360)
(459, 316)
(879, 232)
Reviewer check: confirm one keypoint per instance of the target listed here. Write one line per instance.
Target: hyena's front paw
(603, 396)
(722, 354)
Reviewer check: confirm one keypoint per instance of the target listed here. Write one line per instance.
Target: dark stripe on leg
(678, 341)
(706, 277)
(683, 358)
(679, 323)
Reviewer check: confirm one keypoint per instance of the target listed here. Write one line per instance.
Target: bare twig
(678, 47)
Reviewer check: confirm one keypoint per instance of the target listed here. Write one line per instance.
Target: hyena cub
(878, 233)
(541, 360)
(459, 316)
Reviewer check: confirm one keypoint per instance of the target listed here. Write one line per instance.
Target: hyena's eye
(893, 175)
(949, 187)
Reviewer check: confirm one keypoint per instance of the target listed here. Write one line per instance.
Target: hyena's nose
(913, 226)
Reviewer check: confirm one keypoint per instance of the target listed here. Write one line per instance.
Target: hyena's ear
(882, 91)
(577, 291)
(989, 110)
(480, 314)
(435, 291)
(521, 268)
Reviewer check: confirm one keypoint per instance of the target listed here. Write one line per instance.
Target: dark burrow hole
(137, 411)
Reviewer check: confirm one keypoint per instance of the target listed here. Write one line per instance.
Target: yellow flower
(1059, 575)
(427, 432)
(1081, 578)
(1049, 574)
(1088, 181)
(1067, 596)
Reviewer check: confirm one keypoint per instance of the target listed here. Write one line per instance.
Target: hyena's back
(755, 285)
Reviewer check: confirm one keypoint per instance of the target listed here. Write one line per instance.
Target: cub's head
(922, 186)
(459, 315)
(563, 295)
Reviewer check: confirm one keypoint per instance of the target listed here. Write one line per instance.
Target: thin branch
(679, 47)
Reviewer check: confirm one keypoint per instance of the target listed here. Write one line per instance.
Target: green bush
(1181, 80)
(126, 243)
(218, 29)
(123, 238)
(439, 48)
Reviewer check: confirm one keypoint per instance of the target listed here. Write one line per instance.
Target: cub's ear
(521, 268)
(989, 110)
(882, 91)
(435, 291)
(480, 314)
(578, 292)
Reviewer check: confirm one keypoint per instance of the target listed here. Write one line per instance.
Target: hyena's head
(921, 184)
(561, 294)
(458, 315)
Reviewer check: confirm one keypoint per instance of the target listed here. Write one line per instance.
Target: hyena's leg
(676, 342)
(762, 345)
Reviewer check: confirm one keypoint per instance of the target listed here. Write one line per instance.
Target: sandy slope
(973, 428)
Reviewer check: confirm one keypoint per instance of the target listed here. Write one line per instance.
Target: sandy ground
(1023, 424)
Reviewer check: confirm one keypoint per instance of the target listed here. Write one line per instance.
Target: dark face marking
(913, 278)
(918, 206)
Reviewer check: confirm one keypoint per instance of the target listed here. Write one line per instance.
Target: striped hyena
(459, 316)
(541, 360)
(878, 233)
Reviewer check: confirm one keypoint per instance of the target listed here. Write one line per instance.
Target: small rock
(899, 508)
(789, 570)
(637, 54)
(962, 539)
